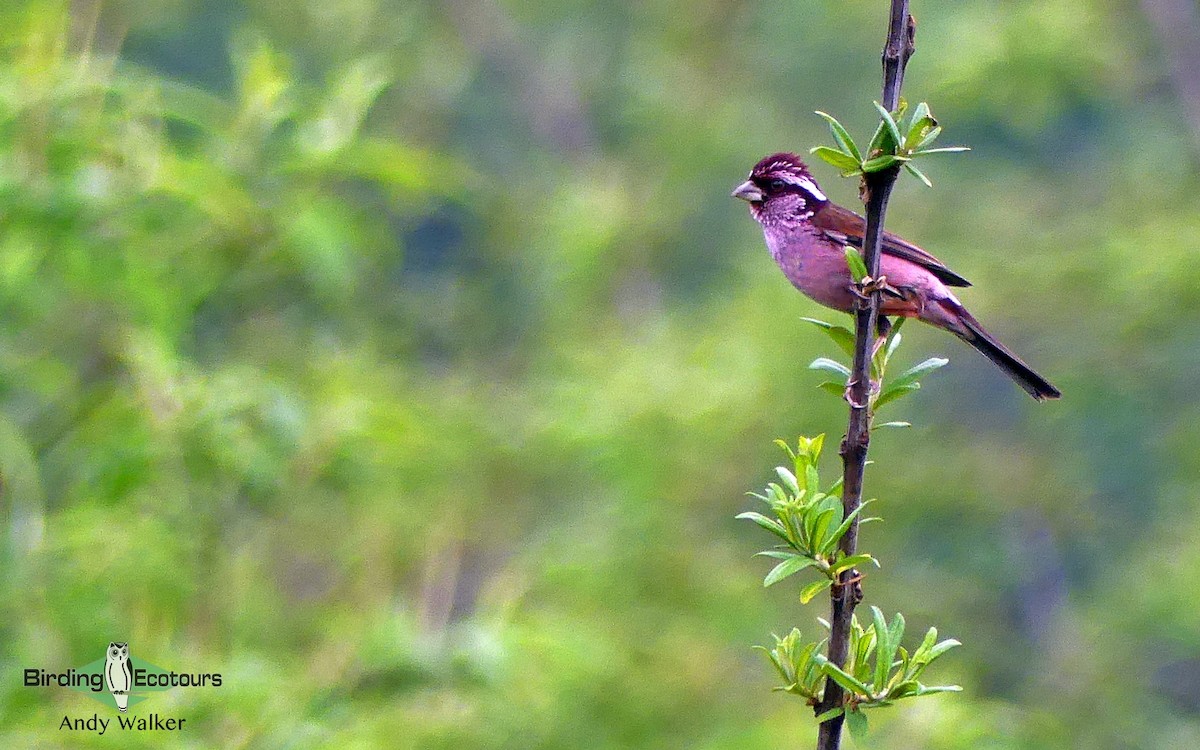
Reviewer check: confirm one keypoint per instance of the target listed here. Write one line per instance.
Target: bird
(117, 673)
(807, 233)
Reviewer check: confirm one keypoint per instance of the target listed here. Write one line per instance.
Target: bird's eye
(777, 184)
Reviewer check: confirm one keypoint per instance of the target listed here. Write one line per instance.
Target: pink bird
(806, 234)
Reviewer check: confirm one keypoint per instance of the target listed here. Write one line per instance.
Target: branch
(846, 594)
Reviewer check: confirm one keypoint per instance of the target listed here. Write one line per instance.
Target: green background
(406, 362)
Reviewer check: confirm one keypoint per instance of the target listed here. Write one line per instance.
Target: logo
(118, 681)
(118, 674)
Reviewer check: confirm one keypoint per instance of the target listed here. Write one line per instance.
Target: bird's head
(780, 190)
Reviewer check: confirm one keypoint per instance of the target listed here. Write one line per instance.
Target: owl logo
(118, 673)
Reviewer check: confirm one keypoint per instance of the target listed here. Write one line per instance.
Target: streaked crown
(783, 173)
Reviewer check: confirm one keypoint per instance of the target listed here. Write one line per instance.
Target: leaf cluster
(809, 522)
(883, 390)
(878, 672)
(798, 664)
(897, 140)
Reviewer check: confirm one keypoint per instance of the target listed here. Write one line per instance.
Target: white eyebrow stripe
(805, 184)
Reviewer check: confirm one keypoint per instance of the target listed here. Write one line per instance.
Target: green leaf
(880, 163)
(856, 723)
(896, 630)
(841, 136)
(879, 143)
(841, 335)
(770, 525)
(926, 644)
(895, 635)
(787, 449)
(771, 655)
(929, 138)
(832, 713)
(942, 648)
(892, 393)
(831, 366)
(808, 592)
(920, 112)
(839, 159)
(893, 424)
(787, 568)
(862, 644)
(858, 269)
(904, 663)
(820, 525)
(836, 487)
(944, 150)
(812, 482)
(839, 675)
(778, 554)
(776, 495)
(914, 373)
(793, 521)
(892, 128)
(841, 530)
(837, 389)
(805, 657)
(886, 648)
(815, 446)
(931, 689)
(853, 561)
(788, 479)
(903, 689)
(912, 170)
(779, 496)
(919, 132)
(813, 676)
(893, 342)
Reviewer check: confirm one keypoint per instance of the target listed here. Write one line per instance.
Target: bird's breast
(814, 264)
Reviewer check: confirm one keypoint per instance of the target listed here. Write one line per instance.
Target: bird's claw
(869, 286)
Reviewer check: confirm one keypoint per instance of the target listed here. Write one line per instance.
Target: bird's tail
(972, 332)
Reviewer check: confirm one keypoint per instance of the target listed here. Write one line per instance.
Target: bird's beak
(748, 192)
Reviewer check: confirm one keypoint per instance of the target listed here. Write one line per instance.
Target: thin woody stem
(845, 596)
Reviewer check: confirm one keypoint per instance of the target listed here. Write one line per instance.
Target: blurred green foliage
(405, 362)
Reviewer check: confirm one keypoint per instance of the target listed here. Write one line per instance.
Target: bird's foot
(864, 290)
(869, 286)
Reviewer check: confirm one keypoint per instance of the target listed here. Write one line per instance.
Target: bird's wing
(847, 227)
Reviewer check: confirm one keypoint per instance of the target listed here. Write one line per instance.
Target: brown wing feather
(848, 227)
